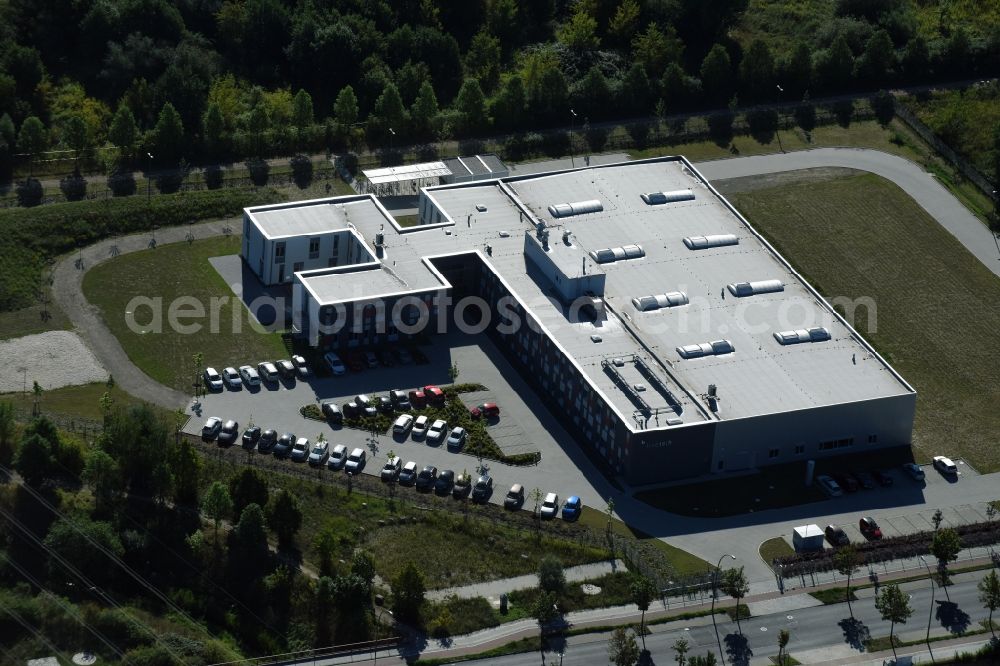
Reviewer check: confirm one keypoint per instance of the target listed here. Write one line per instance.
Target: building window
(773, 453)
(297, 266)
(313, 248)
(800, 449)
(872, 439)
(279, 252)
(836, 444)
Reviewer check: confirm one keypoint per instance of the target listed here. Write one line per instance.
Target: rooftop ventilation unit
(657, 198)
(613, 254)
(576, 208)
(669, 300)
(716, 348)
(741, 289)
(705, 242)
(817, 334)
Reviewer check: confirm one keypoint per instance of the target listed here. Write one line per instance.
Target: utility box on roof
(807, 537)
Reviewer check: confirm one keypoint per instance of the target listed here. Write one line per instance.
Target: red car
(869, 528)
(487, 409)
(355, 361)
(417, 399)
(434, 394)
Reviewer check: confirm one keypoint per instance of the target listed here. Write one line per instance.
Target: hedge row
(31, 237)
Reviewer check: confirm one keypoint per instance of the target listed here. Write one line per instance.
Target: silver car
(550, 506)
(232, 378)
(300, 449)
(319, 453)
(249, 375)
(213, 380)
(338, 456)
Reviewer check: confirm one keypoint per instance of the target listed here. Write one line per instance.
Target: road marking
(763, 628)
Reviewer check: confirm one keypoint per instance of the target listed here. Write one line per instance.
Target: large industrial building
(666, 333)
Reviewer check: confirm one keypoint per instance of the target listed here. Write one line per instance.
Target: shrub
(29, 193)
(171, 180)
(74, 186)
(350, 163)
(121, 183)
(259, 170)
(720, 128)
(213, 176)
(302, 171)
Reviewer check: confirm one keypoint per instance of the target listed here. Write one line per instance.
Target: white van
(355, 461)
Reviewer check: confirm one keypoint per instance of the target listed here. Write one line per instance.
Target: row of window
(830, 445)
(279, 250)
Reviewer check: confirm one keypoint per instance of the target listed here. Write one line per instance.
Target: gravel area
(53, 359)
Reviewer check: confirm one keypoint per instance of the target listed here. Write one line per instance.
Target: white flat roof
(407, 172)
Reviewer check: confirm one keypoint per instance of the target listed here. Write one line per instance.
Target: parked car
(365, 404)
(356, 461)
(400, 399)
(572, 508)
(869, 528)
(386, 358)
(334, 363)
(515, 497)
(283, 447)
(550, 506)
(847, 482)
(301, 366)
(402, 424)
(427, 478)
(829, 486)
(417, 399)
(332, 412)
(434, 395)
(436, 432)
(300, 449)
(403, 356)
(385, 405)
(249, 375)
(391, 469)
(445, 481)
(866, 480)
(231, 377)
(250, 437)
(914, 471)
(213, 380)
(463, 486)
(268, 371)
(286, 369)
(320, 452)
(483, 489)
(457, 437)
(371, 360)
(338, 457)
(408, 475)
(229, 432)
(268, 439)
(882, 477)
(420, 427)
(945, 466)
(836, 536)
(488, 410)
(211, 429)
(351, 410)
(355, 361)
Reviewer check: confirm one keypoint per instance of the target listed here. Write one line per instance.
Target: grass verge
(835, 595)
(774, 548)
(171, 272)
(76, 402)
(862, 236)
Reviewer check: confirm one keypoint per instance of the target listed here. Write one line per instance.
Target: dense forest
(217, 80)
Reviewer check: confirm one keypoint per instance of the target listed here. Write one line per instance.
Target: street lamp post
(777, 131)
(715, 582)
(930, 611)
(149, 168)
(572, 129)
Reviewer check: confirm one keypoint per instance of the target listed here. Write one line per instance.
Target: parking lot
(563, 469)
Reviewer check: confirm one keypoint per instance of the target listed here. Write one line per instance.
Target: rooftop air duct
(669, 300)
(575, 208)
(613, 254)
(716, 348)
(817, 334)
(741, 289)
(657, 198)
(705, 242)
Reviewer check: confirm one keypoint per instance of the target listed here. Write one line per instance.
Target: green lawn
(863, 236)
(964, 119)
(70, 402)
(774, 548)
(170, 272)
(32, 319)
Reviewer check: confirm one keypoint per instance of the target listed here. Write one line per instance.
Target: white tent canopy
(401, 174)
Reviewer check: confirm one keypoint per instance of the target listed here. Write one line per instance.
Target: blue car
(572, 508)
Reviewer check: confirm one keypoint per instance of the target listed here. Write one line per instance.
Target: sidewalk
(494, 588)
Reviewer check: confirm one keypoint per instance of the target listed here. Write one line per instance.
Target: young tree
(579, 33)
(783, 637)
(894, 605)
(878, 59)
(32, 139)
(509, 104)
(847, 561)
(735, 584)
(945, 546)
(213, 128)
(937, 519)
(717, 75)
(363, 566)
(681, 647)
(246, 488)
(545, 609)
(104, 477)
(123, 132)
(655, 48)
(483, 59)
(345, 108)
(622, 648)
(471, 105)
(551, 576)
(249, 540)
(33, 460)
(757, 72)
(185, 468)
(302, 114)
(75, 135)
(8, 429)
(625, 22)
(168, 136)
(836, 65)
(217, 504)
(989, 595)
(424, 110)
(284, 517)
(643, 592)
(389, 111)
(408, 591)
(797, 71)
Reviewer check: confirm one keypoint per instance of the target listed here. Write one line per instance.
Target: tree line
(226, 80)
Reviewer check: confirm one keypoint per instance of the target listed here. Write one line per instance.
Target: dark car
(386, 358)
(463, 486)
(400, 399)
(487, 410)
(286, 369)
(230, 431)
(883, 478)
(417, 398)
(836, 536)
(483, 489)
(444, 482)
(284, 446)
(869, 528)
(427, 478)
(268, 439)
(866, 480)
(385, 405)
(211, 428)
(250, 437)
(847, 482)
(332, 412)
(355, 361)
(403, 356)
(515, 497)
(434, 395)
(351, 410)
